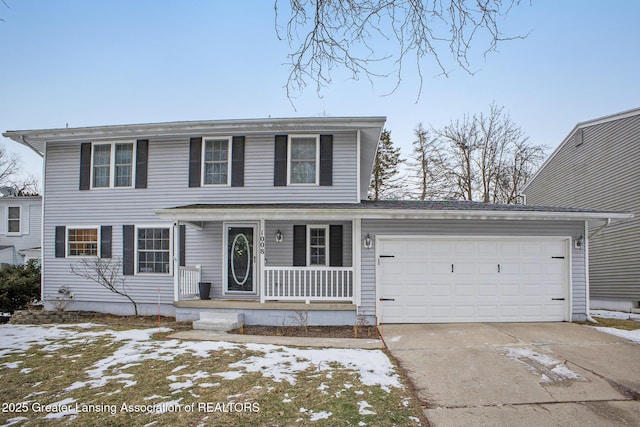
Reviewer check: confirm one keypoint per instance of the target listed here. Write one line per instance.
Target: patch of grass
(197, 383)
(627, 325)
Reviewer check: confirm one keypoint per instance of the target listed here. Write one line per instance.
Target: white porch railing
(188, 282)
(308, 284)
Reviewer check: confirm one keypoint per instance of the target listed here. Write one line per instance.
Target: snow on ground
(279, 363)
(630, 335)
(549, 369)
(615, 315)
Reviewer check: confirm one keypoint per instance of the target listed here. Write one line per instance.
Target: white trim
(324, 227)
(20, 222)
(175, 260)
(42, 217)
(569, 250)
(82, 227)
(202, 161)
(136, 227)
(358, 164)
(112, 164)
(356, 259)
(289, 144)
(225, 256)
(568, 260)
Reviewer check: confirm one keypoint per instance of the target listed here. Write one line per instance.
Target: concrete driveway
(508, 374)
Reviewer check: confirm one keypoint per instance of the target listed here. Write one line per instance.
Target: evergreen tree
(386, 182)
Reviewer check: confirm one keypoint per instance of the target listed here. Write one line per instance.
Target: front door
(241, 258)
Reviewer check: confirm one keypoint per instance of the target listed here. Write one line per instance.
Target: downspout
(586, 254)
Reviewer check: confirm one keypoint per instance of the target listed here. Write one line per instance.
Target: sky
(92, 63)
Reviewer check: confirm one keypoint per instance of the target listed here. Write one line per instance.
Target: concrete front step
(219, 321)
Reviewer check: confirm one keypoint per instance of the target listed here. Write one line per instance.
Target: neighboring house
(598, 166)
(20, 226)
(271, 212)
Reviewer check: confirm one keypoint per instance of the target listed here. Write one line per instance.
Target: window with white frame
(112, 165)
(13, 219)
(317, 245)
(82, 242)
(215, 161)
(303, 159)
(153, 244)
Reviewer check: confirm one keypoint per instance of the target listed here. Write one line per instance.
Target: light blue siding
(167, 186)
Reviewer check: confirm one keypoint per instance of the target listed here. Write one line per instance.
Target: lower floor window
(317, 245)
(82, 242)
(153, 250)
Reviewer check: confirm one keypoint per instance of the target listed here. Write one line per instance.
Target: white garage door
(453, 279)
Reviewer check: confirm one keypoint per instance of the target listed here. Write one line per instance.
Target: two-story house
(598, 166)
(272, 213)
(20, 226)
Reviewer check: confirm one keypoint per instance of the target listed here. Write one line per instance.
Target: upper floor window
(82, 241)
(112, 165)
(303, 159)
(13, 219)
(216, 158)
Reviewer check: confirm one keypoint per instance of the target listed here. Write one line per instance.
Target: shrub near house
(19, 285)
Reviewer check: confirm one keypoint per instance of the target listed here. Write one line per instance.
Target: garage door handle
(387, 256)
(557, 299)
(387, 299)
(557, 257)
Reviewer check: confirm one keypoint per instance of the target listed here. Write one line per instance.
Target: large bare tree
(426, 165)
(375, 38)
(487, 157)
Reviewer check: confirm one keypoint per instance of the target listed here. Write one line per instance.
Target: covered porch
(265, 255)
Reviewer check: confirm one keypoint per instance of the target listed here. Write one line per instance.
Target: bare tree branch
(107, 272)
(486, 157)
(373, 38)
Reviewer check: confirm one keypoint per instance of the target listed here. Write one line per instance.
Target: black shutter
(280, 161)
(183, 245)
(128, 255)
(326, 160)
(195, 156)
(142, 155)
(61, 236)
(335, 246)
(85, 166)
(237, 161)
(105, 241)
(299, 245)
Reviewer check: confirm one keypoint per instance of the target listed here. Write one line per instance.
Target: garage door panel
(464, 290)
(501, 280)
(487, 290)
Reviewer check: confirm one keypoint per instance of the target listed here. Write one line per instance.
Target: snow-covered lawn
(606, 314)
(84, 371)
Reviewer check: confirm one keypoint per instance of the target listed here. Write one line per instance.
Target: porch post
(262, 244)
(357, 259)
(176, 260)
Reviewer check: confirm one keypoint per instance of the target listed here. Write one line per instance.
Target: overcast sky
(91, 63)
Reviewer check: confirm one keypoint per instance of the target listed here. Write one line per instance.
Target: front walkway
(525, 374)
(367, 344)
